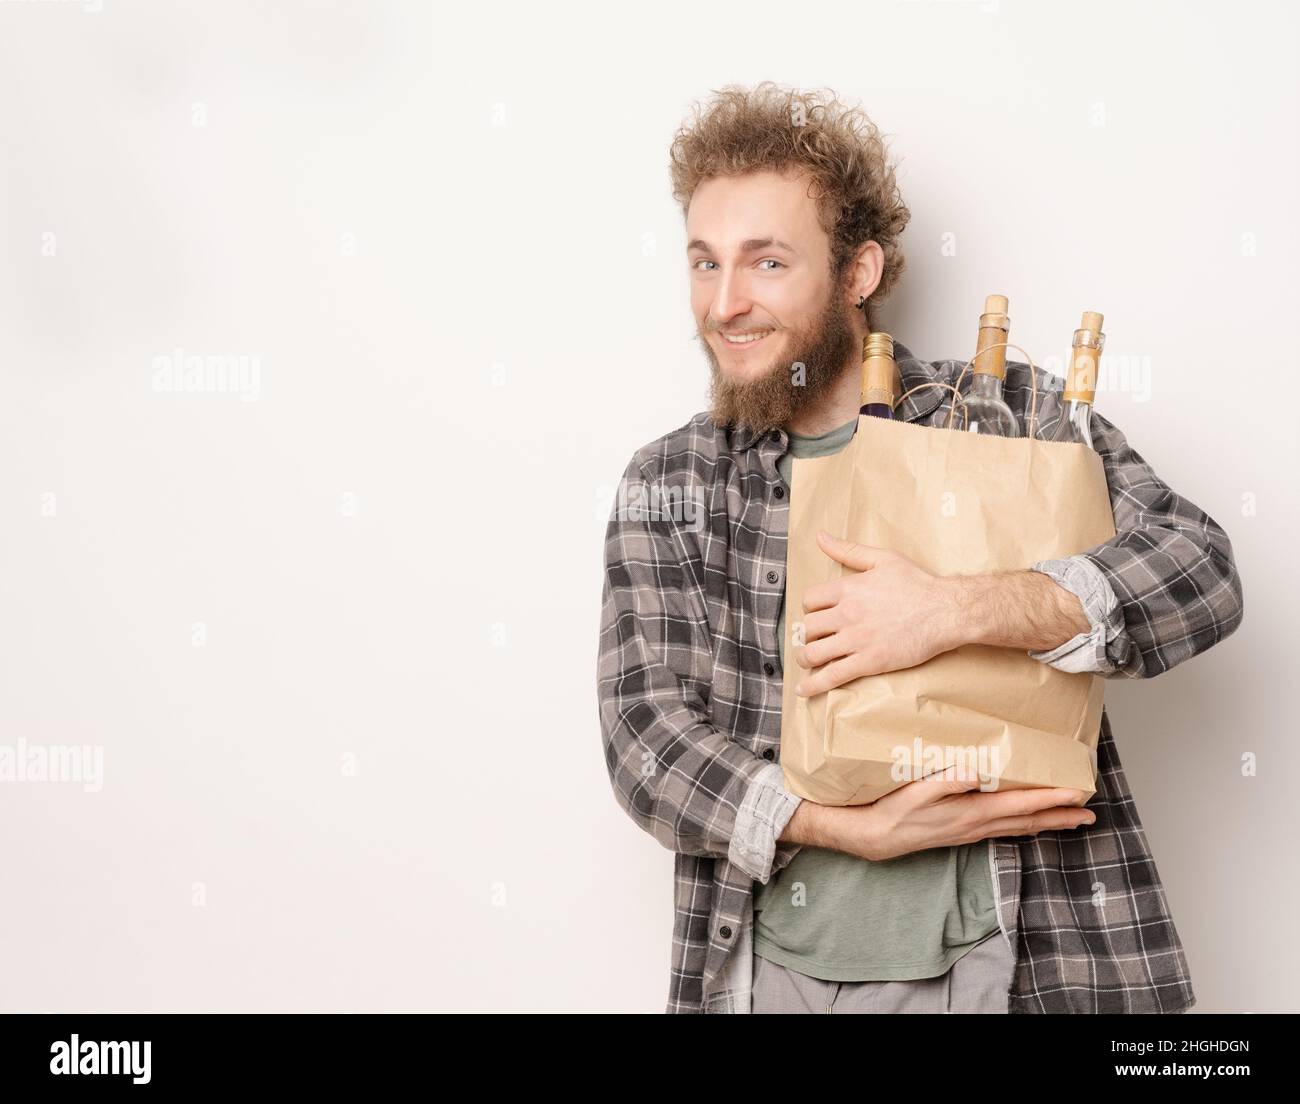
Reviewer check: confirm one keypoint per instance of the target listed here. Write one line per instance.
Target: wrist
(808, 825)
(966, 609)
(850, 829)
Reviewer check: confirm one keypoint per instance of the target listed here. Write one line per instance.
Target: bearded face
(758, 383)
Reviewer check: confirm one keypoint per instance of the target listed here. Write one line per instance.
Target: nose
(730, 299)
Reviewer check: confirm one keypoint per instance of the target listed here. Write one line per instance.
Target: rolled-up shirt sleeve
(764, 813)
(1087, 651)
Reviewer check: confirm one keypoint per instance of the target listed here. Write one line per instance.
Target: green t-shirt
(834, 916)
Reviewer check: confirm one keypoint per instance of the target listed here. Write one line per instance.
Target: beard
(825, 347)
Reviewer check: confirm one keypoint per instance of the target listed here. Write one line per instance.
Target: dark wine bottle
(878, 372)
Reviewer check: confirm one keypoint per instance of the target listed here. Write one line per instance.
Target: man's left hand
(888, 614)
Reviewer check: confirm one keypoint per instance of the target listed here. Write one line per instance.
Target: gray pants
(976, 982)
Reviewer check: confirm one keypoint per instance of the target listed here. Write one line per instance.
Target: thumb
(943, 783)
(860, 557)
(955, 780)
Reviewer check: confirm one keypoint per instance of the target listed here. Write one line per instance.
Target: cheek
(799, 309)
(701, 300)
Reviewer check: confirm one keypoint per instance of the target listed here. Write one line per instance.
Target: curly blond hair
(776, 128)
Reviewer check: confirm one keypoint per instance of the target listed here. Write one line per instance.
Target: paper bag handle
(956, 389)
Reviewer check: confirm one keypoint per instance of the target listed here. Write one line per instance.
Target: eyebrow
(750, 245)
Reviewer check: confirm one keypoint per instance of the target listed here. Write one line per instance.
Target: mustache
(718, 327)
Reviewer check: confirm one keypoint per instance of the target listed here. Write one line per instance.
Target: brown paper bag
(956, 503)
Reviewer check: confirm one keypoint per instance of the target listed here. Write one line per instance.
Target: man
(937, 897)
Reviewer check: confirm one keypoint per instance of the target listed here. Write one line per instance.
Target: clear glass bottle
(1075, 423)
(878, 371)
(986, 410)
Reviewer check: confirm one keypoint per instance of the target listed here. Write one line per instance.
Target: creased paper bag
(957, 503)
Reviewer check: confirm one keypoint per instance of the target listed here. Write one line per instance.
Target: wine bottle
(1075, 422)
(986, 410)
(878, 372)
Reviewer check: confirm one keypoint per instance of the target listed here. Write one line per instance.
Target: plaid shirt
(689, 686)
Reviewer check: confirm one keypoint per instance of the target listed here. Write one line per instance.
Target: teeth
(745, 338)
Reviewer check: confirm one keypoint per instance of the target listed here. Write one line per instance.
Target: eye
(771, 260)
(702, 260)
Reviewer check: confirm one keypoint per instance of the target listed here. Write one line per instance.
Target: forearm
(825, 826)
(1015, 609)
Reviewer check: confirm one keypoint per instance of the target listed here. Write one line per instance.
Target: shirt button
(772, 576)
(769, 754)
(779, 492)
(768, 669)
(725, 932)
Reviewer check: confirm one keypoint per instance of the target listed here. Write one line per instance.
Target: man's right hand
(941, 811)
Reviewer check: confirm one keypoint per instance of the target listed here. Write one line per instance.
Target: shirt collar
(913, 371)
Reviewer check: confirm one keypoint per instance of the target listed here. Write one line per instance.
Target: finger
(1014, 803)
(822, 596)
(860, 557)
(823, 651)
(821, 623)
(828, 677)
(1050, 820)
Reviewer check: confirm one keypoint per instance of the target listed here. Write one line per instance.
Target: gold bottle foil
(878, 369)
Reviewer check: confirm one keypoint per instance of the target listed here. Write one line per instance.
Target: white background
(450, 242)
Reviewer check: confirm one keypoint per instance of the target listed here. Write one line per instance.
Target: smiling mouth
(744, 339)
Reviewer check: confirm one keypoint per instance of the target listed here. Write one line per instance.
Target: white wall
(450, 244)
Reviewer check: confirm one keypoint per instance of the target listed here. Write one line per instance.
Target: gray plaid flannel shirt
(689, 688)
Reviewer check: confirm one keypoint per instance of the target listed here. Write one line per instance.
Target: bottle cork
(994, 327)
(1081, 380)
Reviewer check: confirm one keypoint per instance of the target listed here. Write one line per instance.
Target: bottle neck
(986, 386)
(1076, 422)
